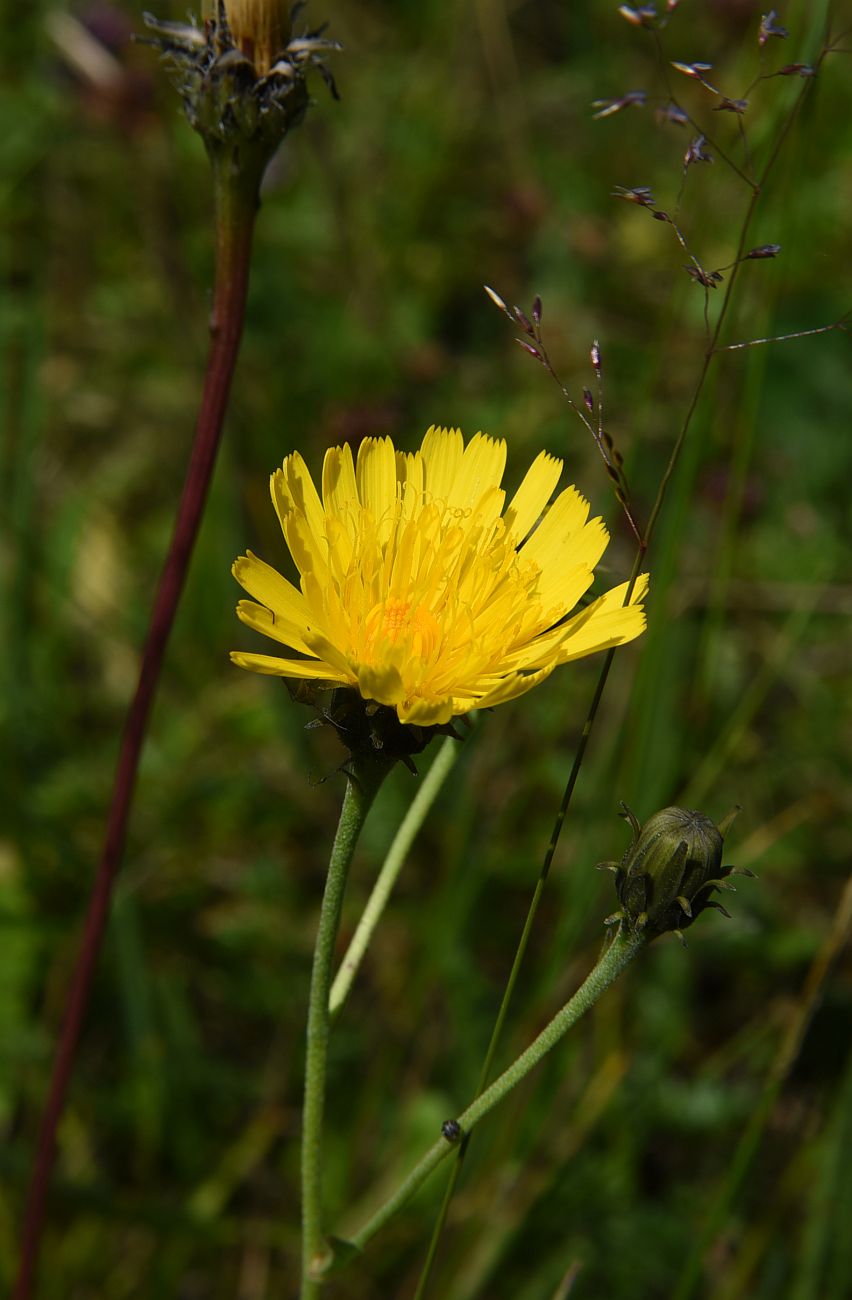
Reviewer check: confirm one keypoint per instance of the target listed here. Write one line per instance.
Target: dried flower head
(418, 591)
(242, 77)
(259, 28)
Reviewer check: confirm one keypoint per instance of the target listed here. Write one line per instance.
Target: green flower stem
(236, 200)
(362, 784)
(621, 951)
(397, 853)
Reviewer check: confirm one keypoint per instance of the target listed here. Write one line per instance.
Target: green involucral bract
(670, 871)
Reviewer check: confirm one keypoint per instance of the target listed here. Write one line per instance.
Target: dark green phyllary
(671, 870)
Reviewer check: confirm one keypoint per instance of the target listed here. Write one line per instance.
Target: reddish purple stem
(235, 212)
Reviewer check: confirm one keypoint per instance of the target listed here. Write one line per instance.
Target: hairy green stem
(619, 954)
(409, 827)
(362, 784)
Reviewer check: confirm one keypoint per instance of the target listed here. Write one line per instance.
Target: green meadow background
(708, 1097)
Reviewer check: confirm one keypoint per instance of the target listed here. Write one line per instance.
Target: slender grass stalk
(426, 795)
(619, 954)
(236, 201)
(362, 785)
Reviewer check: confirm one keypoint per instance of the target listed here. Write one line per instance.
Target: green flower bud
(670, 870)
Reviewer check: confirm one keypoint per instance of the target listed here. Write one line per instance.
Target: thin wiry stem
(842, 325)
(644, 542)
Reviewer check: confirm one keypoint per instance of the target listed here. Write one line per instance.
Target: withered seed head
(259, 28)
(242, 76)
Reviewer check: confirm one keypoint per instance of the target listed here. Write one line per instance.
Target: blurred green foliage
(463, 152)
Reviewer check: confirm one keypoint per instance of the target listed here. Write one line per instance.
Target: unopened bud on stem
(670, 870)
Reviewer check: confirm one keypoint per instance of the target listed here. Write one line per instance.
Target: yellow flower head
(418, 590)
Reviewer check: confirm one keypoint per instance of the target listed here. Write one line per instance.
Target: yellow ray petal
(568, 639)
(606, 622)
(532, 496)
(339, 490)
(270, 588)
(442, 452)
(376, 477)
(276, 626)
(420, 712)
(293, 491)
(271, 666)
(409, 474)
(324, 649)
(383, 684)
(309, 554)
(566, 571)
(548, 544)
(512, 686)
(481, 469)
(477, 525)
